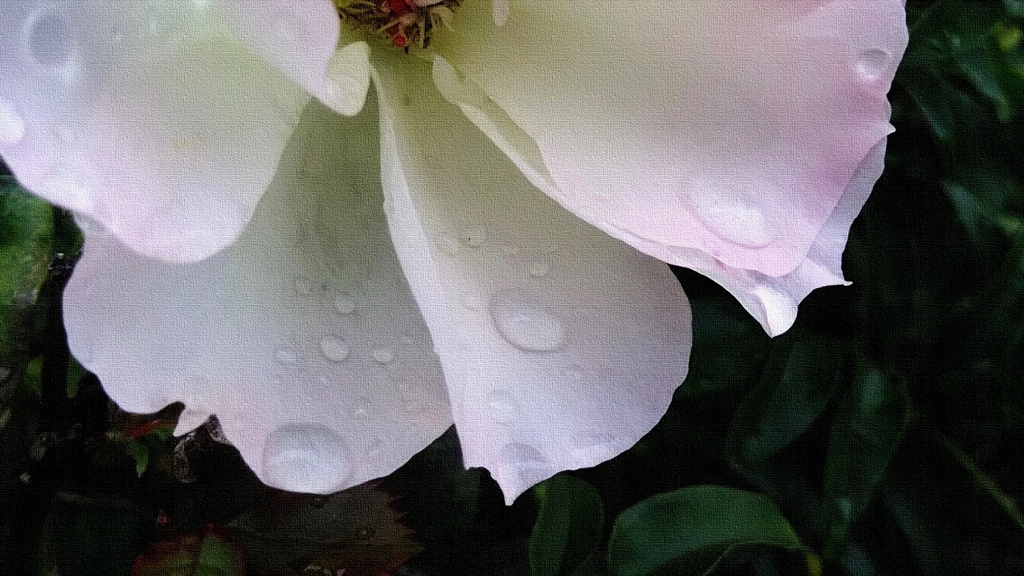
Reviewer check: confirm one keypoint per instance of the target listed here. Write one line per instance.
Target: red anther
(400, 7)
(399, 40)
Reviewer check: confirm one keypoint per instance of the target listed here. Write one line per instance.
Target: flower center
(404, 22)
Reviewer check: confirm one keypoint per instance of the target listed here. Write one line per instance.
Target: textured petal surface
(303, 337)
(730, 128)
(150, 117)
(300, 38)
(561, 346)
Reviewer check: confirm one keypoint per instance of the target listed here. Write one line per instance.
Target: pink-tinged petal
(302, 337)
(561, 346)
(301, 38)
(729, 128)
(773, 301)
(149, 117)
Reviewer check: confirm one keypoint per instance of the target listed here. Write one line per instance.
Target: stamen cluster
(405, 22)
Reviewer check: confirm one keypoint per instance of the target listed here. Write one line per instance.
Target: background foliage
(883, 434)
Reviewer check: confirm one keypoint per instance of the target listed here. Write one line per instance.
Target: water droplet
(383, 355)
(12, 126)
(525, 326)
(334, 348)
(539, 269)
(413, 408)
(49, 39)
(594, 447)
(734, 219)
(305, 458)
(475, 236)
(406, 339)
(518, 453)
(303, 286)
(286, 357)
(449, 245)
(361, 409)
(503, 407)
(872, 64)
(344, 304)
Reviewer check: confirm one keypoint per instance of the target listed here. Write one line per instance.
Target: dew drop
(592, 448)
(344, 304)
(12, 126)
(503, 407)
(525, 326)
(305, 458)
(872, 64)
(334, 348)
(406, 339)
(383, 355)
(539, 269)
(48, 40)
(518, 453)
(733, 219)
(286, 357)
(475, 236)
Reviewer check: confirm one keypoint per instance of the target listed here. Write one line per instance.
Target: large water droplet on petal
(306, 458)
(12, 125)
(526, 326)
(872, 64)
(48, 39)
(334, 348)
(503, 407)
(735, 220)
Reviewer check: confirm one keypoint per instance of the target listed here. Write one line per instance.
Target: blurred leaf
(205, 554)
(355, 530)
(798, 382)
(689, 530)
(26, 244)
(729, 346)
(568, 527)
(866, 432)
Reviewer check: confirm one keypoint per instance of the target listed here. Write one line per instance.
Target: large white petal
(561, 346)
(148, 116)
(301, 38)
(303, 337)
(726, 127)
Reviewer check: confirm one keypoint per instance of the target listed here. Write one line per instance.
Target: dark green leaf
(687, 531)
(568, 527)
(865, 434)
(26, 238)
(798, 383)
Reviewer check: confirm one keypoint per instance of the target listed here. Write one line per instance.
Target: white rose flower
(339, 274)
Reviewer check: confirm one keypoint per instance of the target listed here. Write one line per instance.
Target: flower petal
(299, 38)
(561, 346)
(302, 337)
(149, 117)
(729, 128)
(773, 301)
